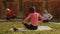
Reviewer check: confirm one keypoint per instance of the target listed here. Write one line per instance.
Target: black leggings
(30, 27)
(11, 18)
(45, 20)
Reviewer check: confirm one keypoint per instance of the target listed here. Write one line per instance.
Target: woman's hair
(32, 9)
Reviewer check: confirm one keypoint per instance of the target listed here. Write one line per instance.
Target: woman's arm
(41, 19)
(50, 16)
(25, 20)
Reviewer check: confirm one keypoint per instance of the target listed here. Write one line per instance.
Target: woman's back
(34, 18)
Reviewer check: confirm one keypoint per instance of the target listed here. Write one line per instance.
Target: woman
(34, 19)
(47, 16)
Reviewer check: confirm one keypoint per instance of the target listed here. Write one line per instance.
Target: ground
(5, 26)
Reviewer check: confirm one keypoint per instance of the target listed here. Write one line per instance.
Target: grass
(56, 20)
(5, 26)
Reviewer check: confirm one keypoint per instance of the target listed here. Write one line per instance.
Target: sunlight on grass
(5, 26)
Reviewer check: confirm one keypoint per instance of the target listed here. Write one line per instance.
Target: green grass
(56, 20)
(5, 26)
